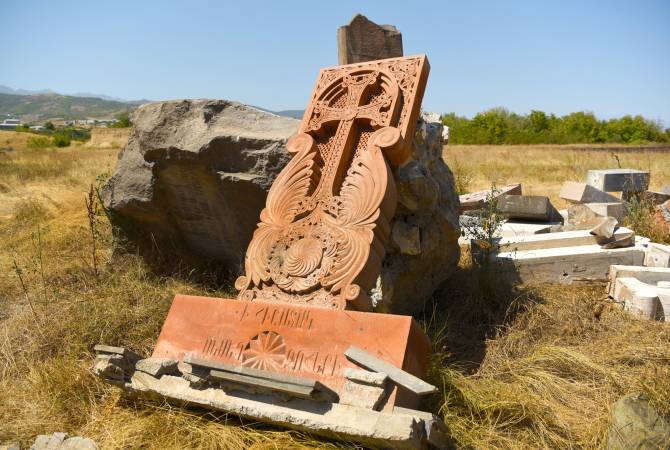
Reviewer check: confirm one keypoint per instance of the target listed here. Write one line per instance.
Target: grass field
(517, 367)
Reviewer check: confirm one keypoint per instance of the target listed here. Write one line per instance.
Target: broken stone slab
(527, 207)
(363, 40)
(362, 395)
(583, 193)
(568, 265)
(401, 377)
(581, 217)
(365, 376)
(655, 198)
(648, 275)
(124, 352)
(402, 430)
(613, 209)
(554, 240)
(639, 298)
(618, 180)
(604, 231)
(478, 200)
(258, 380)
(622, 242)
(157, 366)
(657, 255)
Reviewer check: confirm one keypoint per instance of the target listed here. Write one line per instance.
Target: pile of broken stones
(537, 243)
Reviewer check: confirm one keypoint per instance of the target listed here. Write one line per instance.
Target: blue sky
(609, 57)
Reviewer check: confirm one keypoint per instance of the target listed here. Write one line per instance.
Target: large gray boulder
(190, 185)
(191, 182)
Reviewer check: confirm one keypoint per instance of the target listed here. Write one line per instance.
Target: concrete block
(583, 193)
(636, 297)
(479, 199)
(568, 265)
(618, 180)
(365, 376)
(657, 255)
(527, 207)
(649, 275)
(611, 209)
(553, 240)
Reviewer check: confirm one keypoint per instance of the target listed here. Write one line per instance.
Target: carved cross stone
(322, 234)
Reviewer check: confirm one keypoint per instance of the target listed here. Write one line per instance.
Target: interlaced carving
(321, 236)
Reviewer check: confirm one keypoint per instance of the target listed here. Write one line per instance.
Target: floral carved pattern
(265, 351)
(322, 233)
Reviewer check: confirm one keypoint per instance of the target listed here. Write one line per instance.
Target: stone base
(293, 340)
(400, 428)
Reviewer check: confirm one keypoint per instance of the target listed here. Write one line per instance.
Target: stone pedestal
(296, 340)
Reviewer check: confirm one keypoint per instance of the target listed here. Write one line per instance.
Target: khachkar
(285, 351)
(322, 234)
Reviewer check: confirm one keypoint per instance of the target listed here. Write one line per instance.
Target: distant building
(10, 124)
(37, 128)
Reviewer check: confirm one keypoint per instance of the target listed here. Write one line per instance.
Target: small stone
(365, 376)
(622, 242)
(48, 441)
(636, 425)
(111, 367)
(605, 229)
(78, 443)
(157, 366)
(361, 395)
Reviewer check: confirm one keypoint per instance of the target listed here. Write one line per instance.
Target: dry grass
(518, 368)
(542, 169)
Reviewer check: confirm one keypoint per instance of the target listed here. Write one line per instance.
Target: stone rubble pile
(586, 243)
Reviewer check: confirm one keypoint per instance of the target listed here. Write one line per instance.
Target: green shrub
(38, 142)
(61, 139)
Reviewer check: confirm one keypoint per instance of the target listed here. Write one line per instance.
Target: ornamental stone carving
(322, 233)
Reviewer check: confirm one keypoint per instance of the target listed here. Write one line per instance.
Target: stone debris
(157, 366)
(658, 255)
(644, 291)
(581, 217)
(365, 376)
(362, 395)
(114, 363)
(622, 242)
(363, 40)
(555, 240)
(662, 216)
(655, 198)
(528, 207)
(613, 209)
(61, 441)
(401, 377)
(575, 192)
(604, 230)
(479, 200)
(618, 180)
(635, 424)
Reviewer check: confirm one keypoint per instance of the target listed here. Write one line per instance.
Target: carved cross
(343, 140)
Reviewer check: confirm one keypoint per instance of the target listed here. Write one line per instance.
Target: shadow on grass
(474, 305)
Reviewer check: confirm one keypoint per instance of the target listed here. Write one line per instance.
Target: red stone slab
(293, 339)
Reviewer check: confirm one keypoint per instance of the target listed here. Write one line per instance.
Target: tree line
(499, 126)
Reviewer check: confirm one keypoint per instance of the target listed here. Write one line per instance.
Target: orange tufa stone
(292, 339)
(322, 233)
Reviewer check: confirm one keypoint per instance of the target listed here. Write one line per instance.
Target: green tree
(122, 120)
(49, 126)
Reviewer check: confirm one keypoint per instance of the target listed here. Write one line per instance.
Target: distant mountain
(294, 113)
(48, 106)
(8, 90)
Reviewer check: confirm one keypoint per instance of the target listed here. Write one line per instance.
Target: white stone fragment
(639, 298)
(657, 255)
